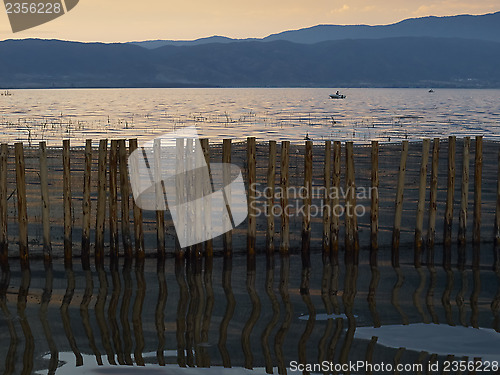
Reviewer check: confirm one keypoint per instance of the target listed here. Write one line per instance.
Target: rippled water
(279, 114)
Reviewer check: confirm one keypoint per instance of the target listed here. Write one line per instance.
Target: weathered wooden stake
(306, 220)
(160, 202)
(399, 205)
(207, 209)
(86, 203)
(271, 182)
(351, 234)
(44, 187)
(284, 183)
(327, 207)
(433, 194)
(22, 206)
(462, 231)
(113, 200)
(4, 240)
(450, 196)
(336, 201)
(68, 220)
(101, 202)
(478, 174)
(374, 212)
(226, 158)
(252, 180)
(125, 196)
(421, 197)
(180, 191)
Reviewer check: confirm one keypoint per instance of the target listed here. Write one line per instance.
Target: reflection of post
(429, 298)
(271, 182)
(138, 231)
(46, 296)
(228, 315)
(285, 326)
(369, 353)
(29, 341)
(4, 149)
(325, 297)
(395, 294)
(348, 298)
(276, 314)
(68, 297)
(209, 307)
(460, 298)
(418, 293)
(10, 359)
(44, 187)
(199, 311)
(124, 311)
(445, 299)
(372, 295)
(99, 313)
(86, 205)
(180, 266)
(137, 312)
(495, 305)
(254, 316)
(399, 205)
(84, 313)
(284, 183)
(306, 297)
(474, 298)
(113, 305)
(191, 312)
(160, 311)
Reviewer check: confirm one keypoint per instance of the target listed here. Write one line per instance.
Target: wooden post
(421, 197)
(180, 191)
(125, 195)
(22, 216)
(271, 181)
(374, 201)
(207, 209)
(327, 207)
(44, 187)
(138, 230)
(226, 158)
(399, 205)
(113, 200)
(4, 240)
(497, 213)
(86, 203)
(101, 202)
(450, 196)
(284, 183)
(462, 231)
(351, 233)
(433, 195)
(478, 174)
(307, 194)
(160, 202)
(335, 200)
(68, 220)
(252, 180)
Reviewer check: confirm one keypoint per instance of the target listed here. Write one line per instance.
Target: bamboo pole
(284, 183)
(4, 239)
(421, 196)
(125, 196)
(160, 199)
(44, 187)
(226, 159)
(327, 203)
(306, 220)
(271, 182)
(335, 200)
(68, 220)
(252, 180)
(101, 202)
(113, 200)
(399, 205)
(450, 196)
(433, 194)
(22, 206)
(462, 232)
(478, 173)
(86, 208)
(497, 212)
(374, 212)
(207, 209)
(351, 235)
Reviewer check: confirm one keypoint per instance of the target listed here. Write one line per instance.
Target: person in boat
(337, 93)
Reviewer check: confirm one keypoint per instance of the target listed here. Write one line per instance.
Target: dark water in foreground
(201, 316)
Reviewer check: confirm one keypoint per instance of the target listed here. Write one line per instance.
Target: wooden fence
(45, 213)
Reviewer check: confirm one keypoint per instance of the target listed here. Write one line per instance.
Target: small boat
(6, 93)
(431, 90)
(337, 96)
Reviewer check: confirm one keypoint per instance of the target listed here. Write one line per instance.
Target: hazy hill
(484, 27)
(391, 62)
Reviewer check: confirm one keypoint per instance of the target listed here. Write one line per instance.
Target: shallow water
(277, 114)
(250, 316)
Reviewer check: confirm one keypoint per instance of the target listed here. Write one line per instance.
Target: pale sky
(128, 20)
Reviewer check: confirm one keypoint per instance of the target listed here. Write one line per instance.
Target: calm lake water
(278, 114)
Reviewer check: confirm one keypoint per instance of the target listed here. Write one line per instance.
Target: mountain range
(458, 51)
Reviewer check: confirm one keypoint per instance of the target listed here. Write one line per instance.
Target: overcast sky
(127, 20)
